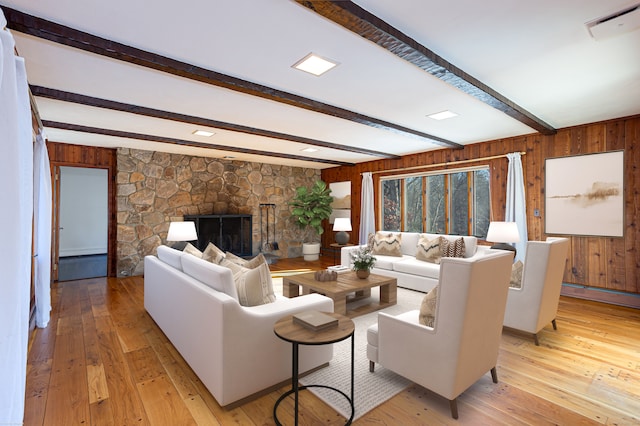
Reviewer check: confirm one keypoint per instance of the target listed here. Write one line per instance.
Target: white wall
(83, 211)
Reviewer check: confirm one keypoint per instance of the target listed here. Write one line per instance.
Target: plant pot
(311, 251)
(362, 273)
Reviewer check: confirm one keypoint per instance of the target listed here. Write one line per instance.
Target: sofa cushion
(213, 254)
(387, 244)
(429, 250)
(453, 248)
(410, 265)
(215, 276)
(387, 262)
(170, 256)
(192, 250)
(254, 286)
(428, 308)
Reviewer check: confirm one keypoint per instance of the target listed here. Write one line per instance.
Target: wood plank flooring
(103, 361)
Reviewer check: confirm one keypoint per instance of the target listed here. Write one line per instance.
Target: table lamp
(342, 224)
(181, 232)
(502, 234)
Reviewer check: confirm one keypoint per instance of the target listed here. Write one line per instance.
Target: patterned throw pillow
(254, 286)
(516, 275)
(370, 239)
(192, 250)
(429, 250)
(428, 308)
(235, 259)
(453, 248)
(213, 254)
(256, 261)
(387, 244)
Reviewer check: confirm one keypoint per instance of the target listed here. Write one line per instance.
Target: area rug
(370, 389)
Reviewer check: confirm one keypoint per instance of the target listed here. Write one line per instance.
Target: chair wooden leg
(494, 375)
(372, 366)
(454, 408)
(535, 339)
(553, 322)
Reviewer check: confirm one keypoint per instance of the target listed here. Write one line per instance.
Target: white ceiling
(537, 54)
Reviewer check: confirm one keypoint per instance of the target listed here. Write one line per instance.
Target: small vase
(363, 273)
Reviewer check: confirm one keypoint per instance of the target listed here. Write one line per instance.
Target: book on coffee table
(339, 268)
(315, 320)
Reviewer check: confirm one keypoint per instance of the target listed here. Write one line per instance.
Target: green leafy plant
(311, 206)
(362, 259)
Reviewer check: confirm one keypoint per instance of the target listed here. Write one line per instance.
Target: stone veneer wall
(155, 188)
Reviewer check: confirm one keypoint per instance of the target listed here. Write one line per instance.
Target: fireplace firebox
(229, 232)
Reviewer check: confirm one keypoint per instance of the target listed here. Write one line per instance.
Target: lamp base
(504, 246)
(342, 238)
(179, 245)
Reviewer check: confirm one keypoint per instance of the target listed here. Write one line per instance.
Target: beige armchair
(535, 303)
(463, 344)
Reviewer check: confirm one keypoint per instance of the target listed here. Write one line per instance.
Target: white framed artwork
(584, 195)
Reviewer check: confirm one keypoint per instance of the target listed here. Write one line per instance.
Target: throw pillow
(453, 248)
(387, 244)
(256, 261)
(213, 254)
(234, 258)
(191, 249)
(254, 286)
(516, 275)
(370, 239)
(428, 308)
(429, 250)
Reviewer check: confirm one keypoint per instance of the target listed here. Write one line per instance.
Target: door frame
(61, 154)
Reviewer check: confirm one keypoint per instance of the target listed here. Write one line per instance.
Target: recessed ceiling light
(314, 64)
(309, 150)
(443, 115)
(203, 133)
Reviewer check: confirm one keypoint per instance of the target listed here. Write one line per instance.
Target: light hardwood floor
(103, 361)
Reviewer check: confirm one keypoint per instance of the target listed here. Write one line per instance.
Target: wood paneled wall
(606, 263)
(62, 154)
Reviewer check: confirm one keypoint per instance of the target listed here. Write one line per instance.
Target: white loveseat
(410, 272)
(231, 348)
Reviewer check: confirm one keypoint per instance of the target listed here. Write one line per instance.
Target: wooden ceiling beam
(61, 95)
(356, 19)
(162, 139)
(42, 28)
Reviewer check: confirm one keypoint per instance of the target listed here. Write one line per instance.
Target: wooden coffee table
(346, 289)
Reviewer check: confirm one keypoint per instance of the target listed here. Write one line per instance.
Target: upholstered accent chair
(463, 343)
(535, 303)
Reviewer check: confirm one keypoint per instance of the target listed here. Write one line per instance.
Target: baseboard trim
(613, 297)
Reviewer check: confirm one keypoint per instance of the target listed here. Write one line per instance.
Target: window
(456, 202)
(391, 212)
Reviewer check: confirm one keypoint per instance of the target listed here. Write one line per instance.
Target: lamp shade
(182, 231)
(342, 224)
(503, 232)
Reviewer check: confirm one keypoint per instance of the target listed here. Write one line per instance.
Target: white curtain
(42, 231)
(516, 202)
(367, 216)
(16, 187)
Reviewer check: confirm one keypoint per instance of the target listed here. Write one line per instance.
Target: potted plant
(363, 261)
(310, 207)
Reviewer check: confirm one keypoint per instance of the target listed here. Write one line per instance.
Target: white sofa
(410, 272)
(231, 348)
